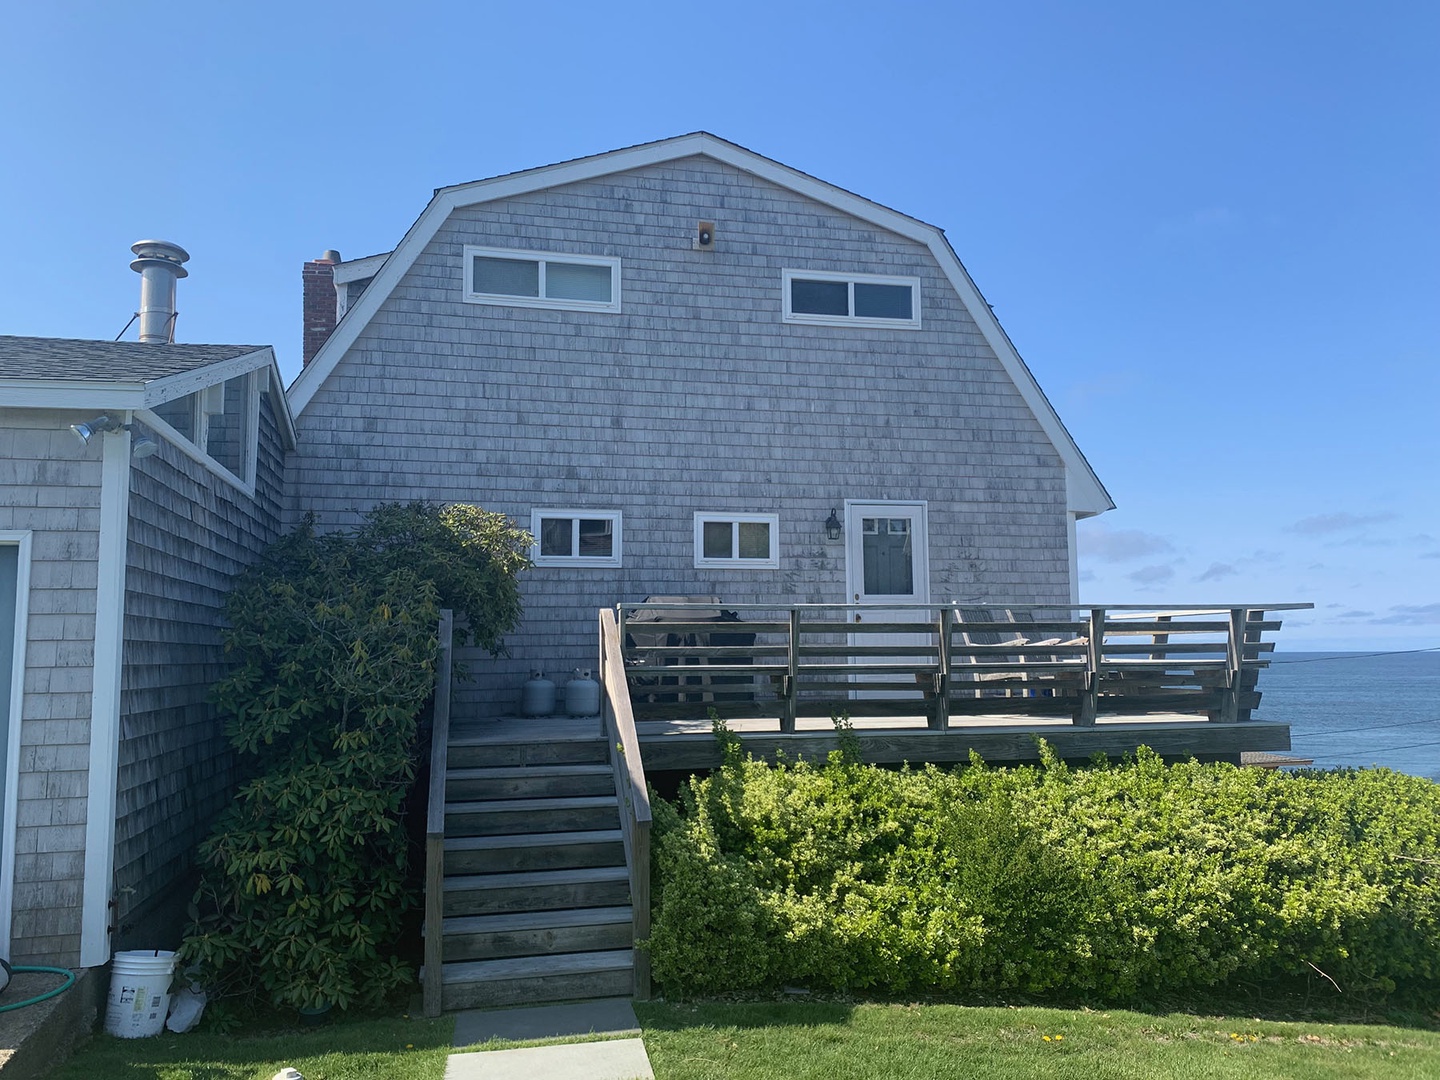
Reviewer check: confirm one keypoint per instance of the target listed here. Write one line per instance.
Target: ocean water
(1358, 709)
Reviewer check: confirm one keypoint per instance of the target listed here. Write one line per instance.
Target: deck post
(1249, 678)
(1234, 665)
(945, 624)
(792, 672)
(1094, 652)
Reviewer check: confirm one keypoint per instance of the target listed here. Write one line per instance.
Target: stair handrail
(624, 744)
(433, 985)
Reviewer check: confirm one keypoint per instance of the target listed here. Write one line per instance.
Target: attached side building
(676, 363)
(116, 554)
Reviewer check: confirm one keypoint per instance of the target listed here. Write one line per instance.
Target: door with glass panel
(887, 563)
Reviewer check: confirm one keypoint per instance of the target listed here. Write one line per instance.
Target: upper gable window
(851, 299)
(541, 279)
(217, 426)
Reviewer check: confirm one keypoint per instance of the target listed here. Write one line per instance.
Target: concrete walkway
(581, 1059)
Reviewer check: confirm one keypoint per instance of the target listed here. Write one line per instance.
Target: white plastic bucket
(139, 993)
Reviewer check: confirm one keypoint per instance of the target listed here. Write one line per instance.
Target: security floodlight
(143, 446)
(84, 432)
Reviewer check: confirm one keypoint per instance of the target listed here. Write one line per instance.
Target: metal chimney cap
(330, 255)
(159, 253)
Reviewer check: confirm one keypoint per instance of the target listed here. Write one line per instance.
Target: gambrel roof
(1087, 495)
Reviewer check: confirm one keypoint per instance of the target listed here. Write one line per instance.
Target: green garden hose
(69, 982)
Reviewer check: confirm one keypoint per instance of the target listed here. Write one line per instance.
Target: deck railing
(432, 987)
(624, 744)
(683, 659)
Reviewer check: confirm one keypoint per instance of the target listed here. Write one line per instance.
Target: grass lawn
(391, 1048)
(824, 1041)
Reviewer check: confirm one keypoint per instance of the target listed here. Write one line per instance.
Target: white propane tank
(538, 696)
(582, 694)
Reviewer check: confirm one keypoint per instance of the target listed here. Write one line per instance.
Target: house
(136, 479)
(676, 364)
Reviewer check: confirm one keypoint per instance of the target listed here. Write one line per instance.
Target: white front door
(887, 562)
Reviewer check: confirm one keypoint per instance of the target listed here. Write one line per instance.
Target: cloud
(1431, 555)
(1121, 545)
(1356, 615)
(1087, 575)
(1411, 615)
(1321, 524)
(1152, 575)
(1217, 571)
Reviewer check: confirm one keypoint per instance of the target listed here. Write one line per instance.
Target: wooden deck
(934, 683)
(686, 745)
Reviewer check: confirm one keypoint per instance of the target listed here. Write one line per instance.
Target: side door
(887, 563)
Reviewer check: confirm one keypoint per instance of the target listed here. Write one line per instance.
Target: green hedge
(1107, 882)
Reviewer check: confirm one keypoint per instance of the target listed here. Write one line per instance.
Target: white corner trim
(9, 812)
(1086, 493)
(1073, 542)
(105, 700)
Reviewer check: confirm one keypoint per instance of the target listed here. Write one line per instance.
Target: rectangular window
(737, 541)
(851, 299)
(541, 279)
(575, 537)
(218, 425)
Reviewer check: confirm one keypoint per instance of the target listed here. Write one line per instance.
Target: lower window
(575, 537)
(737, 541)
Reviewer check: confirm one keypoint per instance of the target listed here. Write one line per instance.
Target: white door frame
(920, 550)
(918, 512)
(11, 751)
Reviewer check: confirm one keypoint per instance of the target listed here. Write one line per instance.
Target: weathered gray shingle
(123, 361)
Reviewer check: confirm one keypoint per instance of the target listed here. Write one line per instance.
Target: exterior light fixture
(832, 526)
(142, 446)
(85, 432)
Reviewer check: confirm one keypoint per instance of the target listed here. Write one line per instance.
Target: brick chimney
(318, 292)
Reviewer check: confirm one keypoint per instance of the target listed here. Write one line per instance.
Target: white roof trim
(146, 394)
(359, 269)
(1087, 495)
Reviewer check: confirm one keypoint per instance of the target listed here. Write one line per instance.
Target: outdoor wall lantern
(832, 526)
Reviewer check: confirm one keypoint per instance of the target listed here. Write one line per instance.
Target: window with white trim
(737, 541)
(541, 279)
(851, 299)
(220, 423)
(575, 537)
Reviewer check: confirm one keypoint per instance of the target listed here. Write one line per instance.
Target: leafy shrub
(304, 874)
(1107, 882)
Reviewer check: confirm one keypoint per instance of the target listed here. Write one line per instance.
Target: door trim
(921, 558)
(11, 763)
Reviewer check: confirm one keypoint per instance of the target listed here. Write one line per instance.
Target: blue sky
(1210, 228)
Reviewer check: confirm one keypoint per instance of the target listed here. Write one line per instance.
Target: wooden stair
(536, 892)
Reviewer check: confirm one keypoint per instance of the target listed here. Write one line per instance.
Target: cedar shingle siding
(47, 487)
(190, 534)
(695, 397)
